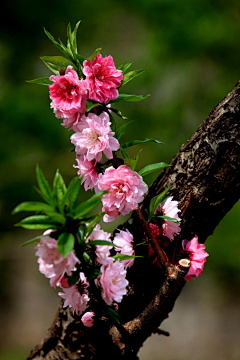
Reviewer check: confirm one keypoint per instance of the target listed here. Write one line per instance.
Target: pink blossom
(197, 256)
(94, 136)
(102, 251)
(75, 296)
(70, 120)
(124, 242)
(68, 94)
(87, 319)
(126, 191)
(169, 208)
(103, 78)
(113, 282)
(88, 172)
(52, 263)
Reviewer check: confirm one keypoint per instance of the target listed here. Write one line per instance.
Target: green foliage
(129, 97)
(151, 168)
(65, 243)
(156, 201)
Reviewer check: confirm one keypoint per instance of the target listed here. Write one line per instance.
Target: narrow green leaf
(41, 81)
(152, 167)
(167, 218)
(129, 97)
(74, 36)
(138, 142)
(100, 242)
(118, 113)
(131, 75)
(44, 186)
(59, 189)
(74, 278)
(93, 223)
(54, 68)
(122, 257)
(96, 52)
(71, 195)
(121, 131)
(156, 201)
(65, 243)
(124, 67)
(58, 60)
(50, 37)
(55, 220)
(33, 206)
(36, 239)
(80, 58)
(65, 51)
(132, 163)
(113, 315)
(90, 104)
(87, 258)
(88, 205)
(124, 153)
(113, 123)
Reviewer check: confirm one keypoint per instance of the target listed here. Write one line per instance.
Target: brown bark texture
(205, 178)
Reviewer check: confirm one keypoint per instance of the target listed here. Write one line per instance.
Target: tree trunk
(205, 179)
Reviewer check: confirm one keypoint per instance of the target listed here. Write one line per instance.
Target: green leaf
(36, 239)
(74, 278)
(113, 123)
(100, 242)
(71, 195)
(54, 68)
(41, 81)
(121, 131)
(124, 153)
(152, 167)
(167, 218)
(90, 104)
(44, 187)
(118, 113)
(129, 97)
(96, 52)
(156, 201)
(93, 223)
(74, 36)
(93, 275)
(33, 206)
(65, 243)
(88, 205)
(58, 60)
(122, 257)
(59, 44)
(87, 258)
(132, 163)
(138, 142)
(124, 67)
(80, 58)
(131, 75)
(113, 315)
(56, 220)
(59, 189)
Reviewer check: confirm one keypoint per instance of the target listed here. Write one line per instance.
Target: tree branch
(205, 179)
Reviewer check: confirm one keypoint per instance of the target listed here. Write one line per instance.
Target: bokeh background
(191, 50)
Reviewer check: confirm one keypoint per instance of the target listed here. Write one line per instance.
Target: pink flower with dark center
(87, 172)
(87, 319)
(169, 208)
(103, 78)
(102, 251)
(68, 94)
(124, 242)
(52, 263)
(75, 296)
(197, 256)
(94, 137)
(126, 191)
(113, 282)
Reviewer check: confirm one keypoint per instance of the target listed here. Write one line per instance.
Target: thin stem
(158, 251)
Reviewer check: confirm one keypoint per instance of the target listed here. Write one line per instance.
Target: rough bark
(205, 179)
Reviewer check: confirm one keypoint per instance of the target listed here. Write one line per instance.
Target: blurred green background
(191, 50)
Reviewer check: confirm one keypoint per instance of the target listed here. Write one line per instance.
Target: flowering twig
(159, 253)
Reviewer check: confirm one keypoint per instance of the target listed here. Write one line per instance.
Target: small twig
(159, 252)
(160, 331)
(115, 160)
